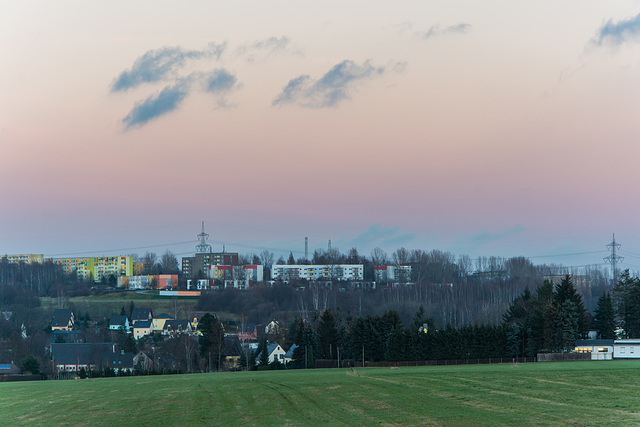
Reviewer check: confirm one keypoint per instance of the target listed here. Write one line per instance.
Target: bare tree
(379, 257)
(169, 263)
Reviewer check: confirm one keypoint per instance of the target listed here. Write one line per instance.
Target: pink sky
(493, 129)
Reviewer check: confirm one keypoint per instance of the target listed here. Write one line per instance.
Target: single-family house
(72, 357)
(288, 357)
(248, 333)
(272, 328)
(158, 322)
(141, 314)
(173, 328)
(119, 323)
(62, 320)
(275, 352)
(9, 369)
(141, 328)
(142, 361)
(232, 352)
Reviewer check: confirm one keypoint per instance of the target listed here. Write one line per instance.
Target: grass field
(564, 393)
(106, 305)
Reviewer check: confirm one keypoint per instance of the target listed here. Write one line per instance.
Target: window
(621, 350)
(631, 349)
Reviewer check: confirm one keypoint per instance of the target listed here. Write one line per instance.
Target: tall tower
(203, 247)
(613, 258)
(306, 248)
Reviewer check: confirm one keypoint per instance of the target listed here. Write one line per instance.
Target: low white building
(340, 272)
(626, 349)
(599, 349)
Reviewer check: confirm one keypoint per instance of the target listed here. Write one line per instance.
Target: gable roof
(290, 352)
(61, 317)
(270, 349)
(163, 316)
(141, 314)
(140, 324)
(175, 325)
(8, 368)
(118, 320)
(79, 353)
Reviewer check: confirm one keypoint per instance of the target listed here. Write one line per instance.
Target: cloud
(435, 31)
(168, 100)
(388, 238)
(219, 81)
(266, 47)
(487, 236)
(330, 89)
(617, 33)
(161, 64)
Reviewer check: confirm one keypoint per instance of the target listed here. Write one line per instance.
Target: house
(141, 328)
(119, 323)
(173, 328)
(72, 357)
(288, 357)
(142, 362)
(249, 333)
(158, 322)
(626, 349)
(195, 320)
(232, 352)
(275, 352)
(62, 320)
(9, 369)
(272, 328)
(599, 349)
(139, 314)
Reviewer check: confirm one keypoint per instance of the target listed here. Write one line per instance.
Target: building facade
(95, 268)
(340, 272)
(202, 262)
(392, 273)
(25, 258)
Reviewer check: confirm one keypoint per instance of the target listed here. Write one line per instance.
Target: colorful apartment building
(95, 268)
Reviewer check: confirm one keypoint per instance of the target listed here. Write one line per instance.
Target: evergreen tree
(263, 351)
(626, 297)
(604, 317)
(327, 334)
(211, 341)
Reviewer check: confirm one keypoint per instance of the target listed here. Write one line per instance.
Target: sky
(493, 128)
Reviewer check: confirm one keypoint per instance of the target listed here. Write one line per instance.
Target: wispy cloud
(161, 65)
(436, 31)
(219, 81)
(168, 100)
(330, 89)
(267, 47)
(617, 33)
(487, 236)
(388, 238)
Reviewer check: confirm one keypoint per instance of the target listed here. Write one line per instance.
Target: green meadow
(566, 393)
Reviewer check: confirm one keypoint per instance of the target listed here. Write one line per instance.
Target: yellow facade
(97, 267)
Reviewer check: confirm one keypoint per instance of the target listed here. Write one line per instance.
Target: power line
(123, 249)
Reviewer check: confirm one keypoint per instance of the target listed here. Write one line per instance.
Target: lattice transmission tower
(203, 247)
(613, 258)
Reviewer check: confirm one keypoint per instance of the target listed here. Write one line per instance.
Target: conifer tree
(604, 317)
